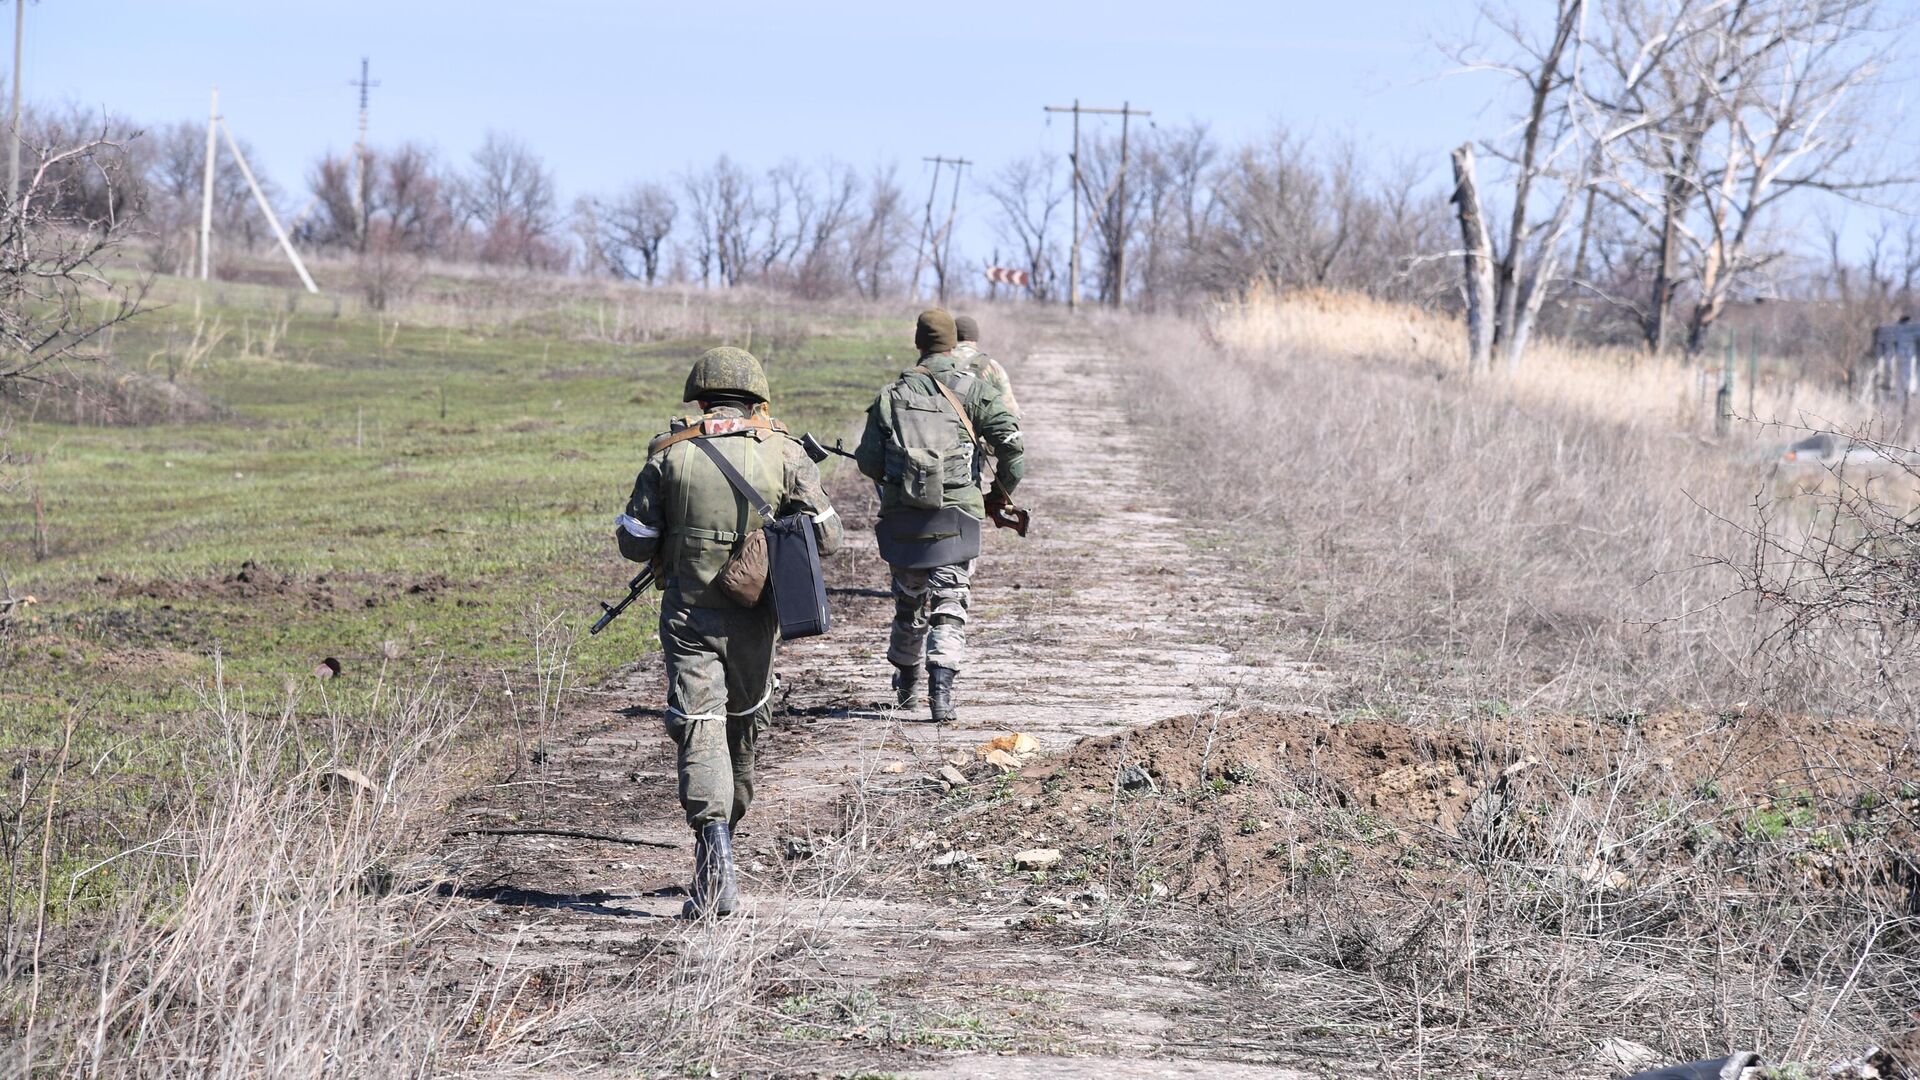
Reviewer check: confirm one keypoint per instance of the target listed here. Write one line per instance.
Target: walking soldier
(920, 447)
(986, 367)
(687, 519)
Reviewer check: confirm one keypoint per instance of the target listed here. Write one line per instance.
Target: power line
(1117, 257)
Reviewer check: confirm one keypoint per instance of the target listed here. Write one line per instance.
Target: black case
(793, 559)
(923, 539)
(793, 576)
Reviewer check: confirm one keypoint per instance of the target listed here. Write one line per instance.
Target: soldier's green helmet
(726, 370)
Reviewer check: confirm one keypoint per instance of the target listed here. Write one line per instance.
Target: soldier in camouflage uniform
(982, 365)
(940, 400)
(686, 519)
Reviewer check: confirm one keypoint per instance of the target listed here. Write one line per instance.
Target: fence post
(1723, 401)
(1753, 371)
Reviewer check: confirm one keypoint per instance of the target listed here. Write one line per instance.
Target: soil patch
(320, 592)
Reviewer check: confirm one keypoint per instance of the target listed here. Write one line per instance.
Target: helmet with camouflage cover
(726, 370)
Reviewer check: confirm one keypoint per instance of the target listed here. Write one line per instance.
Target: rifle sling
(708, 426)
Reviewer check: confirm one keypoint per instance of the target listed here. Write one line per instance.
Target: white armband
(636, 528)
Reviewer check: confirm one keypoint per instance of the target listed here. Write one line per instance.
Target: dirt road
(1102, 620)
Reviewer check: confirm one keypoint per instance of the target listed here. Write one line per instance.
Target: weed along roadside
(1414, 789)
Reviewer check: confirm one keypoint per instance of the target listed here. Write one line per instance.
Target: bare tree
(509, 198)
(1284, 218)
(57, 244)
(414, 197)
(173, 161)
(1029, 192)
(823, 219)
(627, 233)
(1753, 102)
(1569, 128)
(879, 236)
(1544, 65)
(1792, 123)
(1175, 210)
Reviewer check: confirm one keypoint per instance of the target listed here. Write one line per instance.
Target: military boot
(716, 887)
(906, 686)
(940, 694)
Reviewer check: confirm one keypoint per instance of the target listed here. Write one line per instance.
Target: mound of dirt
(1228, 808)
(110, 396)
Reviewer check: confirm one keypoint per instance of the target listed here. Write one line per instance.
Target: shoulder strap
(714, 425)
(953, 399)
(746, 490)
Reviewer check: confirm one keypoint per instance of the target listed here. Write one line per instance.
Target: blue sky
(609, 92)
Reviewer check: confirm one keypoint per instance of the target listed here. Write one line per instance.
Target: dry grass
(1491, 563)
(1662, 395)
(1558, 542)
(261, 932)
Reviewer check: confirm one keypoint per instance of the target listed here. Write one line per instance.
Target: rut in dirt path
(1101, 620)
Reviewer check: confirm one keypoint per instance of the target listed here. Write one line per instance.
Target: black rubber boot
(716, 885)
(940, 694)
(726, 899)
(906, 687)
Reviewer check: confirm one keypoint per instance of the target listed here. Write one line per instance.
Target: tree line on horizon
(1666, 161)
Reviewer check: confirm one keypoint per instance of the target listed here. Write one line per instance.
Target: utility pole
(13, 131)
(943, 250)
(266, 210)
(927, 236)
(926, 227)
(360, 160)
(1118, 263)
(206, 188)
(1073, 251)
(1117, 273)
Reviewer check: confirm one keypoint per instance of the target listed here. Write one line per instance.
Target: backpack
(930, 443)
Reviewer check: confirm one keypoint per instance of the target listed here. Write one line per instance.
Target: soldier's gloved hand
(997, 501)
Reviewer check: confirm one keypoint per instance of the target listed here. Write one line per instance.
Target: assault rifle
(641, 582)
(818, 450)
(1004, 514)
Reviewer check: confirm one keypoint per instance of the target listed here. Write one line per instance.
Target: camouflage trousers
(930, 616)
(719, 690)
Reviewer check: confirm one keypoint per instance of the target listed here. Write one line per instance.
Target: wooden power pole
(1117, 259)
(930, 238)
(206, 187)
(943, 246)
(13, 130)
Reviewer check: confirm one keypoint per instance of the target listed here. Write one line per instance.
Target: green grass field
(413, 491)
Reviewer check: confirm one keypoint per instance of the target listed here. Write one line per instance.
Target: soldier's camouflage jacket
(993, 424)
(685, 513)
(986, 367)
